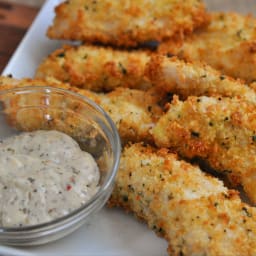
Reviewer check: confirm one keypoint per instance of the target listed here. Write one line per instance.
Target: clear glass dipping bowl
(48, 108)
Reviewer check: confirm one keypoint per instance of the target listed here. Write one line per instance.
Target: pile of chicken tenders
(180, 84)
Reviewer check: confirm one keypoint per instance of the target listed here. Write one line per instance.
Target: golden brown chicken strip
(227, 44)
(96, 68)
(134, 112)
(194, 212)
(126, 23)
(185, 79)
(104, 69)
(221, 131)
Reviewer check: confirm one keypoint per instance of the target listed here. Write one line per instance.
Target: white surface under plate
(109, 233)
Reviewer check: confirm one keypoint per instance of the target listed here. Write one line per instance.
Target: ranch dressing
(43, 175)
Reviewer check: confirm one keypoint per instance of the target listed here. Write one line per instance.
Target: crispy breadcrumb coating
(126, 23)
(96, 68)
(186, 79)
(194, 212)
(104, 69)
(221, 131)
(227, 44)
(134, 112)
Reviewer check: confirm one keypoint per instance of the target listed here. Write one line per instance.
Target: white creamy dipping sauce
(43, 175)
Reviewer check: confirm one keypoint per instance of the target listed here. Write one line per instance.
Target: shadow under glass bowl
(48, 108)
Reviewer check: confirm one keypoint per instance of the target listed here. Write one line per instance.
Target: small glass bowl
(48, 108)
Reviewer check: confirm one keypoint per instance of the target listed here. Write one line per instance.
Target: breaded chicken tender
(104, 69)
(96, 68)
(186, 79)
(134, 112)
(194, 212)
(126, 23)
(221, 131)
(227, 44)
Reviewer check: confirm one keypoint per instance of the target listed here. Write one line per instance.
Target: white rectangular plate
(111, 232)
